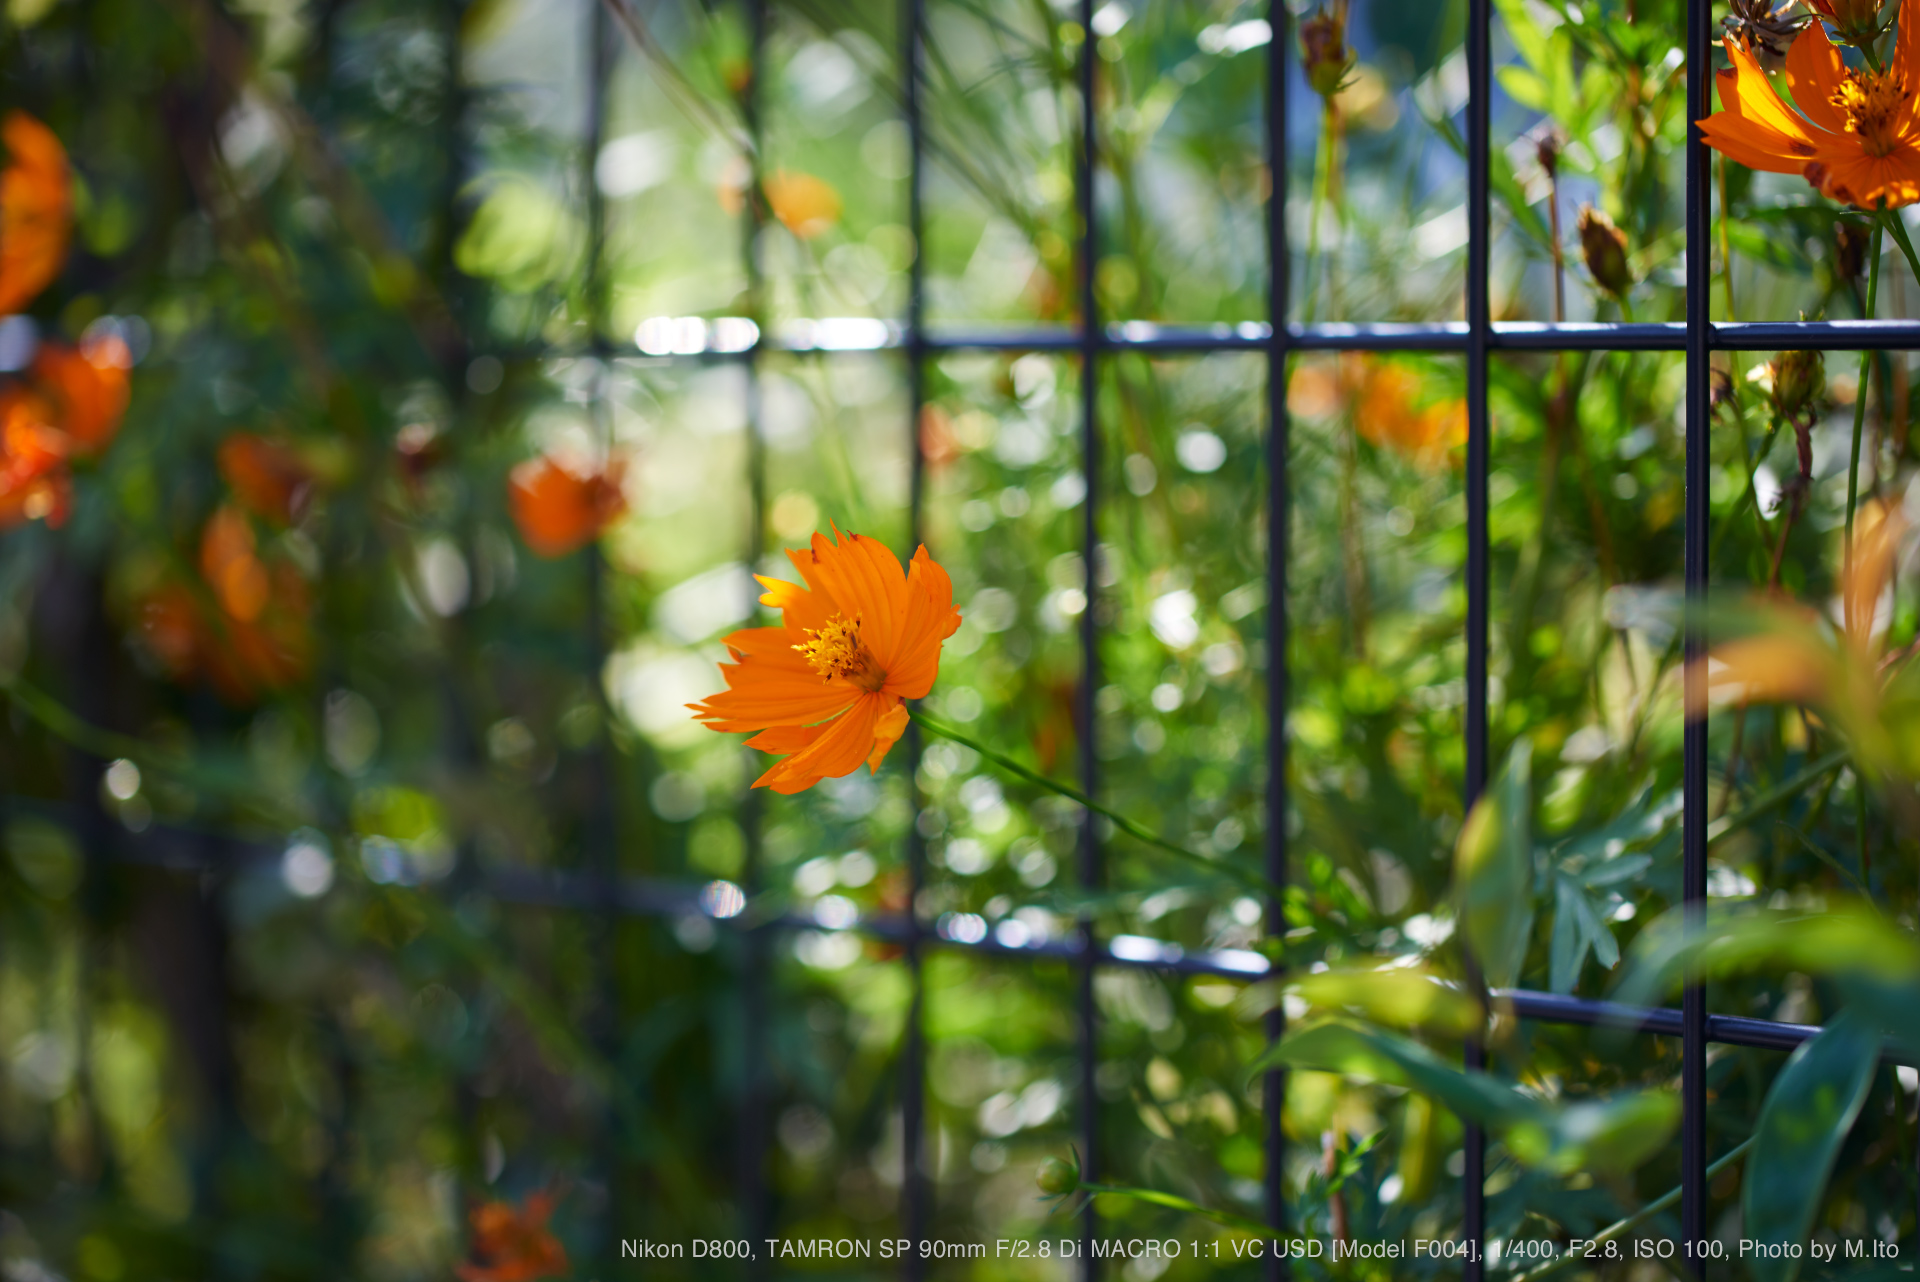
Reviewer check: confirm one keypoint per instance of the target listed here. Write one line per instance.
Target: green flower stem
(1860, 402)
(1252, 881)
(1621, 1228)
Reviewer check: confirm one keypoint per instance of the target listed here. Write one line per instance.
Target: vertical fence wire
(756, 960)
(1479, 431)
(600, 830)
(1274, 1084)
(1089, 870)
(1693, 871)
(914, 1191)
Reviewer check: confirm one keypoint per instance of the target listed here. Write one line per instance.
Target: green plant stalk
(1137, 832)
(1775, 796)
(1860, 405)
(1620, 1228)
(1322, 187)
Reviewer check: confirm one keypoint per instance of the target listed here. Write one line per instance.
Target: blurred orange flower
(251, 635)
(513, 1244)
(36, 210)
(825, 688)
(805, 205)
(1389, 415)
(1387, 408)
(90, 387)
(33, 455)
(268, 478)
(1793, 655)
(560, 510)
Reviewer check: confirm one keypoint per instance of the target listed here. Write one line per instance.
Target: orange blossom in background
(36, 210)
(560, 510)
(513, 1244)
(825, 688)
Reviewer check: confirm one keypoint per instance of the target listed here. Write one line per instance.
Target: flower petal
(930, 619)
(1814, 72)
(839, 751)
(1749, 94)
(866, 579)
(802, 610)
(886, 732)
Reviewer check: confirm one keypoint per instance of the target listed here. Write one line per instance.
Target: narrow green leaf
(1493, 871)
(1803, 1122)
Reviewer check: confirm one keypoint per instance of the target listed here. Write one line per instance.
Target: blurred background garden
(400, 394)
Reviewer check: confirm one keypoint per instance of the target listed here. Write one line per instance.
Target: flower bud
(1057, 1177)
(1798, 379)
(1547, 146)
(1324, 55)
(1605, 248)
(1857, 22)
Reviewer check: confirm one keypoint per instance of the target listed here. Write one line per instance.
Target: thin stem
(1726, 243)
(1861, 389)
(1071, 793)
(1775, 796)
(1621, 1228)
(1322, 184)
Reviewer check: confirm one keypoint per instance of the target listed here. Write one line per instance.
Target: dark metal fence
(1094, 340)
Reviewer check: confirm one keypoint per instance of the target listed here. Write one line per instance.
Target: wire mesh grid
(602, 891)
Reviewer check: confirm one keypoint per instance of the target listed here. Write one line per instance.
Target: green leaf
(1398, 996)
(1528, 39)
(1608, 1136)
(1847, 939)
(1803, 1122)
(1524, 87)
(1493, 871)
(1577, 928)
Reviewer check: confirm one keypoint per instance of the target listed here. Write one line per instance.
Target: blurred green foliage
(265, 1006)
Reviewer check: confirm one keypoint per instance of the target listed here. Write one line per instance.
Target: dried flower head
(1763, 26)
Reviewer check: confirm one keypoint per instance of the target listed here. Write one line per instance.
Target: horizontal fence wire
(172, 849)
(864, 334)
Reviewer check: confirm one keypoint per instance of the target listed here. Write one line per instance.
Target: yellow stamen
(835, 651)
(1870, 101)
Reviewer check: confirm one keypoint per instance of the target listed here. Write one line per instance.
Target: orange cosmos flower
(267, 476)
(90, 385)
(1856, 135)
(559, 510)
(514, 1245)
(36, 210)
(33, 458)
(826, 686)
(246, 632)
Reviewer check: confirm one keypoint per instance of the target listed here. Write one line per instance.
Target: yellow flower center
(1872, 102)
(834, 651)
